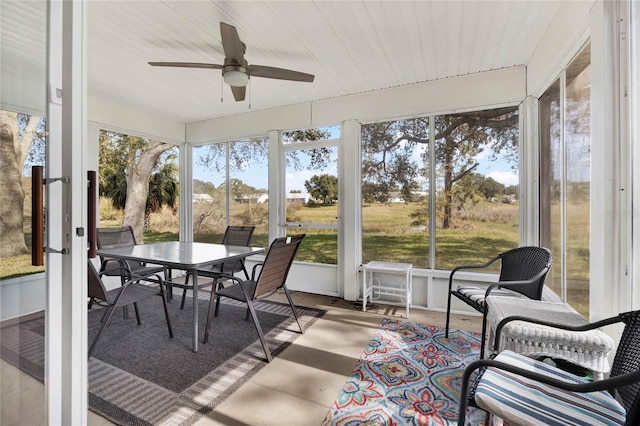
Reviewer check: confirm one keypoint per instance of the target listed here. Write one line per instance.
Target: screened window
(230, 187)
(448, 182)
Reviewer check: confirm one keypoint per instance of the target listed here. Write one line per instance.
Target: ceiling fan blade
(233, 47)
(279, 73)
(186, 65)
(239, 92)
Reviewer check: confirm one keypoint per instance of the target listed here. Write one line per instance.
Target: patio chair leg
(104, 315)
(184, 297)
(263, 340)
(446, 329)
(484, 333)
(125, 309)
(135, 308)
(169, 290)
(163, 294)
(293, 307)
(244, 269)
(107, 314)
(184, 292)
(220, 286)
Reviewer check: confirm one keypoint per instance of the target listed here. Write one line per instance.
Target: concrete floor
(296, 388)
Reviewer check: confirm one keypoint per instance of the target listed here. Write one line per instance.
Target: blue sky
(498, 170)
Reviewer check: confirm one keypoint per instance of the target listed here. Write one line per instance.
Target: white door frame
(66, 174)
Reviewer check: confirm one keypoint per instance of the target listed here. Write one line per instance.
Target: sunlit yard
(388, 234)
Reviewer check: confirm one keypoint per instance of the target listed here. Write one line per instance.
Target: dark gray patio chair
(233, 236)
(522, 390)
(123, 237)
(272, 277)
(130, 292)
(522, 274)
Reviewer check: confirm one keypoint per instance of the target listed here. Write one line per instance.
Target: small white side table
(373, 288)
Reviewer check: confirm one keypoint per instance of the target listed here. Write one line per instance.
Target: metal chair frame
(522, 270)
(123, 237)
(129, 293)
(234, 235)
(272, 277)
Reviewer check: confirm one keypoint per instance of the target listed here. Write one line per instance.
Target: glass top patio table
(186, 256)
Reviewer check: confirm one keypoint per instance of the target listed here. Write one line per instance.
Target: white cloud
(482, 155)
(505, 178)
(295, 180)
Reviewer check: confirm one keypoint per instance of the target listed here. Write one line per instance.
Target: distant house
(298, 197)
(202, 198)
(251, 198)
(396, 197)
(293, 197)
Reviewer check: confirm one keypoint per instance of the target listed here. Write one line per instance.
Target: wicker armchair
(522, 274)
(524, 391)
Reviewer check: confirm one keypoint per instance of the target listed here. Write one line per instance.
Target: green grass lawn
(17, 266)
(388, 234)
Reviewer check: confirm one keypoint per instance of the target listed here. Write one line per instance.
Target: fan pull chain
(221, 92)
(249, 87)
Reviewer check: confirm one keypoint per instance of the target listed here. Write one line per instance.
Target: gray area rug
(138, 375)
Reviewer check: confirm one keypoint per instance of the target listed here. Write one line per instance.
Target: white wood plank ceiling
(350, 46)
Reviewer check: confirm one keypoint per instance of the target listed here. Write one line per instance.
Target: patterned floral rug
(409, 374)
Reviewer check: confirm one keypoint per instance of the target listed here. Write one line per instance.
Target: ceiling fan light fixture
(236, 78)
(236, 72)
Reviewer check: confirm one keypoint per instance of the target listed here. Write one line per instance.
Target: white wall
(466, 92)
(23, 57)
(566, 33)
(129, 120)
(22, 296)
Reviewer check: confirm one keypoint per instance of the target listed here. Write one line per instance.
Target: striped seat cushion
(522, 401)
(476, 294)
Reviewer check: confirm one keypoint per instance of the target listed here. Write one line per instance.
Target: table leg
(408, 292)
(194, 277)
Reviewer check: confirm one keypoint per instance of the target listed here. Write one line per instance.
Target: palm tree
(163, 191)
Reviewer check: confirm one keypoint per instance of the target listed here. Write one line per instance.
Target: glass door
(565, 197)
(23, 137)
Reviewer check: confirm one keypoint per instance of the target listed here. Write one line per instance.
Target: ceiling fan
(236, 71)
